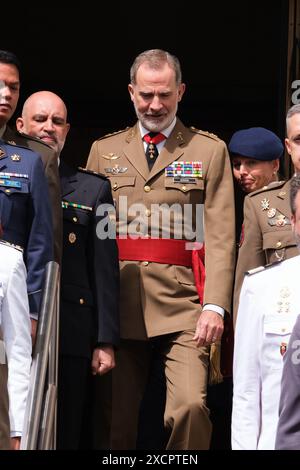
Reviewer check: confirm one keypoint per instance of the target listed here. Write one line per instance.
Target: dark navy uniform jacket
(25, 213)
(89, 312)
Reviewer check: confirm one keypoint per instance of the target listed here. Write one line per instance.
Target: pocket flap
(121, 181)
(278, 239)
(184, 187)
(77, 216)
(77, 295)
(281, 328)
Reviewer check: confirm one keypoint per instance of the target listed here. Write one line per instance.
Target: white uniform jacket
(16, 327)
(268, 308)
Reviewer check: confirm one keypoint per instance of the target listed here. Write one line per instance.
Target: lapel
(9, 136)
(172, 150)
(134, 151)
(3, 155)
(68, 179)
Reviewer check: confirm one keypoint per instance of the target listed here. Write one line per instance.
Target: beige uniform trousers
(186, 415)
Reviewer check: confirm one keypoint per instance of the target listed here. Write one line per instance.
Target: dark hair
(156, 58)
(7, 57)
(295, 188)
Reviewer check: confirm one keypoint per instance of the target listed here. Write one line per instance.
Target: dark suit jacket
(51, 171)
(90, 267)
(288, 429)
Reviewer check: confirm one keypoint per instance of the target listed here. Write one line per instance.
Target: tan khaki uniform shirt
(158, 298)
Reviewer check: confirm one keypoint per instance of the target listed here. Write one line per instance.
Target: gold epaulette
(11, 245)
(259, 269)
(113, 133)
(269, 187)
(206, 133)
(91, 172)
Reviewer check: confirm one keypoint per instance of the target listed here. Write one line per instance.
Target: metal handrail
(40, 363)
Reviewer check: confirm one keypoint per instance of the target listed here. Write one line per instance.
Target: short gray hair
(156, 58)
(295, 109)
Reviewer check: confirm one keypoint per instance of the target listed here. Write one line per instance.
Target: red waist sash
(166, 251)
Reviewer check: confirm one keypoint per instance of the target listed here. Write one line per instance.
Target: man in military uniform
(268, 308)
(160, 306)
(15, 326)
(25, 215)
(267, 232)
(9, 95)
(288, 429)
(89, 320)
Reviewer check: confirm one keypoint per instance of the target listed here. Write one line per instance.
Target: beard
(155, 123)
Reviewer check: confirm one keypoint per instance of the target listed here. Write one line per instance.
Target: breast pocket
(124, 183)
(77, 216)
(76, 223)
(277, 332)
(185, 192)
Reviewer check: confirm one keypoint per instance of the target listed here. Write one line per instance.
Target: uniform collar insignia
(180, 138)
(11, 142)
(2, 153)
(282, 194)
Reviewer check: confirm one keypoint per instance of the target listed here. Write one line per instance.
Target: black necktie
(152, 139)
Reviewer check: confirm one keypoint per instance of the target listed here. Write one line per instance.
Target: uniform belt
(165, 251)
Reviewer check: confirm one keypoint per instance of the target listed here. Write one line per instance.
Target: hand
(209, 328)
(33, 331)
(15, 443)
(103, 360)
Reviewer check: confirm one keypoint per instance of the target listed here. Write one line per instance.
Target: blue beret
(256, 142)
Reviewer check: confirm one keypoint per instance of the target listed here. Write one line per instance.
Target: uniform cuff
(214, 308)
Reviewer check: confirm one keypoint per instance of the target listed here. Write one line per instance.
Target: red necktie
(152, 139)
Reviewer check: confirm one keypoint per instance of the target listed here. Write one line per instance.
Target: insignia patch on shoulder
(262, 268)
(113, 133)
(16, 247)
(205, 133)
(91, 172)
(271, 186)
